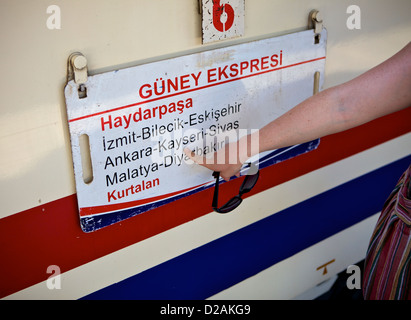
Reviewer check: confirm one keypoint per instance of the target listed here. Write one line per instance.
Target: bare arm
(380, 91)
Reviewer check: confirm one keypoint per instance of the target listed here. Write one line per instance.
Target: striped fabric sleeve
(387, 270)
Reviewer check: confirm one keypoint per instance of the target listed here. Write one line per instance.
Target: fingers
(197, 159)
(226, 178)
(226, 170)
(201, 160)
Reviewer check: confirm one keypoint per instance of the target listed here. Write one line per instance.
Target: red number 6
(220, 10)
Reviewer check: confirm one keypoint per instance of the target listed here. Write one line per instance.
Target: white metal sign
(137, 121)
(222, 19)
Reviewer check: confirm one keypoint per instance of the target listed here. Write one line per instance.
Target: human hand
(226, 161)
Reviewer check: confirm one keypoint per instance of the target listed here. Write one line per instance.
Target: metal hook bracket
(315, 21)
(77, 71)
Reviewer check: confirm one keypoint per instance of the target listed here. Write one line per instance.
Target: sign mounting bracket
(315, 21)
(77, 71)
